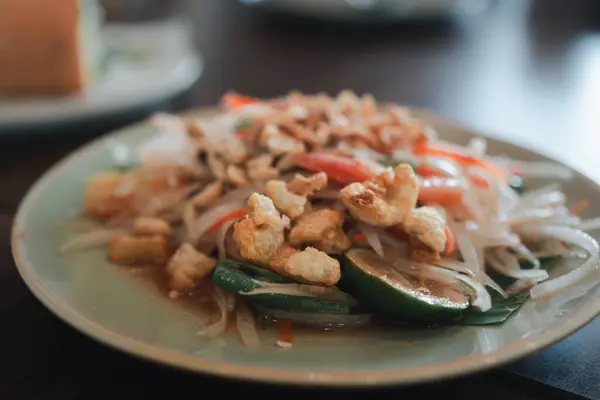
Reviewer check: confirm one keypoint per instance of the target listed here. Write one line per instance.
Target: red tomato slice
(235, 100)
(340, 169)
(440, 191)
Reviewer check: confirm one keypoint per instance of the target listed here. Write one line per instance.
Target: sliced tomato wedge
(427, 171)
(440, 191)
(343, 170)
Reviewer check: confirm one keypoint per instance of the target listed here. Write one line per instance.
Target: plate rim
(270, 375)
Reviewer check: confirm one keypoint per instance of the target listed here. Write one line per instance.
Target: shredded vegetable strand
(520, 286)
(222, 236)
(507, 264)
(90, 239)
(489, 282)
(225, 302)
(467, 250)
(544, 197)
(482, 300)
(446, 276)
(524, 252)
(454, 265)
(246, 327)
(538, 169)
(509, 261)
(299, 290)
(211, 216)
(371, 236)
(590, 266)
(290, 291)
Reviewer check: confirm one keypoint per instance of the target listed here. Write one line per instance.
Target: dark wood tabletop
(524, 70)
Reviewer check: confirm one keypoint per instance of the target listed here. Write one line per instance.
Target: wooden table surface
(526, 71)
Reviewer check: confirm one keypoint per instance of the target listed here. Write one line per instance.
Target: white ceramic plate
(148, 63)
(370, 10)
(125, 312)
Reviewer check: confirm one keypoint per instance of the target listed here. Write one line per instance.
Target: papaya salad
(334, 212)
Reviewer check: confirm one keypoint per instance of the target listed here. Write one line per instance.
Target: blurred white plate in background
(147, 63)
(372, 10)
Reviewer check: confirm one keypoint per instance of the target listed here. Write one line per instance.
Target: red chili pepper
(235, 214)
(359, 237)
(450, 246)
(423, 148)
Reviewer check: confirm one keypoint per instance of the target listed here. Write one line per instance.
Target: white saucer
(147, 63)
(369, 10)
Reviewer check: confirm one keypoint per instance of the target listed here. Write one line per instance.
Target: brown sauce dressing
(199, 303)
(286, 332)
